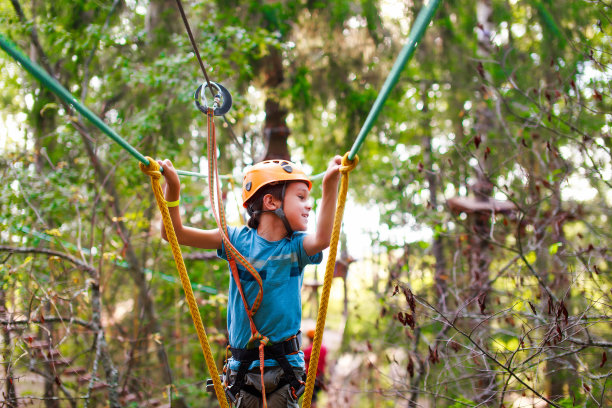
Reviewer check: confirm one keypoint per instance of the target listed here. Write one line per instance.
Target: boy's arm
(194, 237)
(315, 243)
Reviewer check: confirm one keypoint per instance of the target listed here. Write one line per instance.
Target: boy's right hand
(173, 184)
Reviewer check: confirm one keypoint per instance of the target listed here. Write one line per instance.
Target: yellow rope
(347, 166)
(153, 171)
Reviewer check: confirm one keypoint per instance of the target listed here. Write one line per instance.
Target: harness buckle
(230, 396)
(210, 387)
(297, 394)
(294, 344)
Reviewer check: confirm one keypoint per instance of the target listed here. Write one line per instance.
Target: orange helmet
(267, 172)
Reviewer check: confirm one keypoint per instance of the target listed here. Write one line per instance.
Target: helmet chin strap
(279, 212)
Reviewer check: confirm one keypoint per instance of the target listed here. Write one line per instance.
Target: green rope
(200, 175)
(420, 24)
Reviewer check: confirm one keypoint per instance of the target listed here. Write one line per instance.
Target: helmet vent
(287, 167)
(248, 186)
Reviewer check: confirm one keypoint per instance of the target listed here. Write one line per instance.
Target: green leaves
(554, 248)
(300, 90)
(531, 257)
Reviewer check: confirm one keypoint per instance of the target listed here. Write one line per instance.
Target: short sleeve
(303, 259)
(231, 233)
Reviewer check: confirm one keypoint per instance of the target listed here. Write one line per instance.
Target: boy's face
(297, 205)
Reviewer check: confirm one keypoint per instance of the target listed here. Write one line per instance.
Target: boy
(276, 196)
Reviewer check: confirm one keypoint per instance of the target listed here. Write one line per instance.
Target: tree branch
(30, 250)
(47, 319)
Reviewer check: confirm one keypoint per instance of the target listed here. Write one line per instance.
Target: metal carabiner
(222, 101)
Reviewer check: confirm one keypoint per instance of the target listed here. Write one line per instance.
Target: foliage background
(486, 280)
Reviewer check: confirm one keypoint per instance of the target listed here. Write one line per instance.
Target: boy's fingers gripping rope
(347, 166)
(152, 170)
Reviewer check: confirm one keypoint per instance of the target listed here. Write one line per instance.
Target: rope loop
(348, 165)
(152, 170)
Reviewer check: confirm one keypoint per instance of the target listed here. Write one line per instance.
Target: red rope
(232, 253)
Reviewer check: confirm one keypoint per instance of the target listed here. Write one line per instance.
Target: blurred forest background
(486, 280)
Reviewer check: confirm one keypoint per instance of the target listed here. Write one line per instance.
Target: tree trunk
(440, 275)
(137, 273)
(44, 126)
(557, 374)
(480, 256)
(162, 19)
(10, 398)
(112, 374)
(49, 384)
(275, 129)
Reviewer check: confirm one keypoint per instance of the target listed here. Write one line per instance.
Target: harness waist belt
(290, 346)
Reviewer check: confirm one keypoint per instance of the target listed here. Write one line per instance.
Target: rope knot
(258, 337)
(347, 164)
(152, 170)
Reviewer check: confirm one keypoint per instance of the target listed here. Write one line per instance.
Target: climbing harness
(278, 352)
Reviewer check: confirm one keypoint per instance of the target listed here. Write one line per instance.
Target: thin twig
(486, 353)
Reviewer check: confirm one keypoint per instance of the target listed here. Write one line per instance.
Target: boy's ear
(269, 202)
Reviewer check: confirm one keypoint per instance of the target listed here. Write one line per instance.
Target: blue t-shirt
(281, 267)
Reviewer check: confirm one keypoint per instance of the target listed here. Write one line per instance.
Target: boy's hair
(255, 204)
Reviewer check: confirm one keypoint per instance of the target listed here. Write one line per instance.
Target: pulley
(222, 101)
